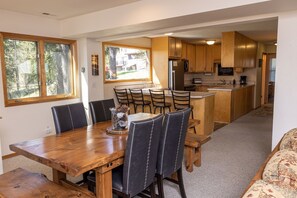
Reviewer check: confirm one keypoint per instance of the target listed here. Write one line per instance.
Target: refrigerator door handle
(173, 80)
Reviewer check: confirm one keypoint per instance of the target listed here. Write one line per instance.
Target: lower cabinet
(230, 105)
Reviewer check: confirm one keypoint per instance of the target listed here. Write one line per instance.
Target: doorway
(268, 78)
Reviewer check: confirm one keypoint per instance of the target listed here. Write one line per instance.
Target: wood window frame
(126, 46)
(42, 78)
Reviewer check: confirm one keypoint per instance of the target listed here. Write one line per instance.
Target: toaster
(197, 81)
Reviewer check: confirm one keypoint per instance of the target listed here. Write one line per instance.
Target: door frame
(266, 57)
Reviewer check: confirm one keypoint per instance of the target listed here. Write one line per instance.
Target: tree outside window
(122, 63)
(37, 69)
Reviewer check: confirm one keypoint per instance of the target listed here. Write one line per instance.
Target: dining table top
(79, 150)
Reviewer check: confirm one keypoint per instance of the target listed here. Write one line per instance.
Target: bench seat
(22, 184)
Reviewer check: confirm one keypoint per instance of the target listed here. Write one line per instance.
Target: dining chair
(100, 110)
(123, 97)
(171, 149)
(69, 117)
(138, 99)
(139, 168)
(158, 100)
(182, 100)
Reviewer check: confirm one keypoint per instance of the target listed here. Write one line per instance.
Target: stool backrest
(157, 96)
(181, 99)
(137, 95)
(122, 96)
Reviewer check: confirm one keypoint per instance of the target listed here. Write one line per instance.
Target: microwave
(225, 71)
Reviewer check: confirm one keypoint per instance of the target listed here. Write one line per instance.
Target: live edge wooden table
(80, 150)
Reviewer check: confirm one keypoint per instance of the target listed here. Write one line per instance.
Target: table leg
(104, 184)
(58, 175)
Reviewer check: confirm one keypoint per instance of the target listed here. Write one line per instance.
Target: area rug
(264, 110)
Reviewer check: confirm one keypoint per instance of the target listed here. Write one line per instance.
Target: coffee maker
(242, 80)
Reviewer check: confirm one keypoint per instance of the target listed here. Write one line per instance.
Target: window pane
(21, 68)
(58, 66)
(126, 63)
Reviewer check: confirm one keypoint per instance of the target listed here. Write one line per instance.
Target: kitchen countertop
(194, 94)
(228, 87)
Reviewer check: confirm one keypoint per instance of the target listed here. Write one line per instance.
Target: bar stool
(122, 97)
(137, 97)
(182, 100)
(158, 100)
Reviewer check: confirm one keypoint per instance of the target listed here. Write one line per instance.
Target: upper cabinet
(238, 50)
(174, 48)
(207, 56)
(190, 56)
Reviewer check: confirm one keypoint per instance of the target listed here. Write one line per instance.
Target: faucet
(223, 81)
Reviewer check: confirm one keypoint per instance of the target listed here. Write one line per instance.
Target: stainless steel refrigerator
(176, 74)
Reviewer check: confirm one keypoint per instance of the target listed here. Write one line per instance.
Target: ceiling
(60, 9)
(262, 31)
(186, 27)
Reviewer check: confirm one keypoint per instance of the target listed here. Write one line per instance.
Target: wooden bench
(193, 144)
(21, 183)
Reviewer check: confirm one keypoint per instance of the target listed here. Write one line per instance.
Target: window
(124, 63)
(272, 69)
(37, 69)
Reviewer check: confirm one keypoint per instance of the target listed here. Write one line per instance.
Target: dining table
(81, 150)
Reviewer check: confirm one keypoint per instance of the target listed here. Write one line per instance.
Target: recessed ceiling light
(275, 43)
(168, 34)
(210, 42)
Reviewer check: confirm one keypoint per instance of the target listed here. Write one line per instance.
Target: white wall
(285, 101)
(91, 86)
(26, 122)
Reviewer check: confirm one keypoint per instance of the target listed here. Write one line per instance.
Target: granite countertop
(228, 87)
(194, 94)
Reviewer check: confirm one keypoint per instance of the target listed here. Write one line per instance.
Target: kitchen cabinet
(191, 56)
(213, 55)
(200, 58)
(238, 50)
(174, 47)
(188, 52)
(206, 56)
(232, 103)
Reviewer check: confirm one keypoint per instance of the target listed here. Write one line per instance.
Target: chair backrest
(122, 95)
(172, 140)
(157, 96)
(141, 154)
(181, 99)
(69, 117)
(100, 110)
(137, 95)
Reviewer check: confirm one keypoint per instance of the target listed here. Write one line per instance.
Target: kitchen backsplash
(214, 78)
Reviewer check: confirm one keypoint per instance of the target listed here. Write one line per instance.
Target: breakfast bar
(203, 103)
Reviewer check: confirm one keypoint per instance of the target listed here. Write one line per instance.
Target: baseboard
(4, 157)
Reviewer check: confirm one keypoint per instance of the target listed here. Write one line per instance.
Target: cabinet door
(209, 64)
(200, 58)
(217, 53)
(191, 51)
(184, 51)
(178, 48)
(171, 47)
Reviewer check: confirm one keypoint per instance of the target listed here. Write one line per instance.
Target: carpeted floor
(229, 160)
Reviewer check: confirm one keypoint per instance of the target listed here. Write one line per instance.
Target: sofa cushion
(262, 189)
(281, 169)
(289, 140)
